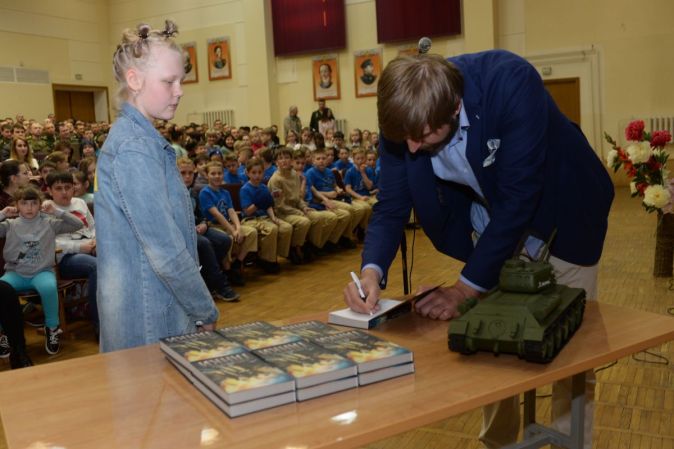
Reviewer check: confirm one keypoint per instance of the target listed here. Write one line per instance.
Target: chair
(234, 191)
(338, 178)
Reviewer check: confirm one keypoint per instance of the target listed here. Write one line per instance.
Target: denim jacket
(149, 286)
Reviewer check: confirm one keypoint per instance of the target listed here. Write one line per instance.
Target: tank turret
(528, 314)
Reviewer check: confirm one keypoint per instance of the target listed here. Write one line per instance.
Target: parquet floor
(635, 399)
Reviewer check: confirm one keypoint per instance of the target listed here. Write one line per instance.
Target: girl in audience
(355, 138)
(81, 187)
(13, 174)
(65, 149)
(29, 252)
(21, 152)
(88, 167)
(292, 138)
(149, 285)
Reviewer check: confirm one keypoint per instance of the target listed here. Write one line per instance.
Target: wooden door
(566, 93)
(74, 104)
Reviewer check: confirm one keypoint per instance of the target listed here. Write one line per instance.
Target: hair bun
(143, 30)
(170, 29)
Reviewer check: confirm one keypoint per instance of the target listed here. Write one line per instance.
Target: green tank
(528, 314)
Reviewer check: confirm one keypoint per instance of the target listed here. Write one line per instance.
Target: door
(75, 104)
(566, 93)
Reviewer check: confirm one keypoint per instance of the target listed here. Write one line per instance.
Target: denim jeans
(212, 248)
(82, 266)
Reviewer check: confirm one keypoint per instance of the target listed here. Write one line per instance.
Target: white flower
(633, 187)
(639, 152)
(611, 158)
(656, 196)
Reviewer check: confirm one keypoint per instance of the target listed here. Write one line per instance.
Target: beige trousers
(355, 216)
(501, 420)
(300, 224)
(323, 224)
(249, 244)
(273, 239)
(366, 207)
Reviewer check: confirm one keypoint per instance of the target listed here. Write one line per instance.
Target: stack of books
(255, 366)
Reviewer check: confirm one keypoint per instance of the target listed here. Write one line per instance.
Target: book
(242, 408)
(310, 329)
(242, 377)
(385, 373)
(308, 363)
(258, 335)
(198, 346)
(388, 310)
(367, 351)
(334, 386)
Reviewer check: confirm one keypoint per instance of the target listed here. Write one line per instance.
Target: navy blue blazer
(543, 176)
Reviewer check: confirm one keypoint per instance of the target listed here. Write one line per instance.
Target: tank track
(557, 335)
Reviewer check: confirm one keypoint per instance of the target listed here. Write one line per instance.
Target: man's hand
(443, 303)
(369, 280)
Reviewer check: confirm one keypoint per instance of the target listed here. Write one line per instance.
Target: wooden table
(135, 398)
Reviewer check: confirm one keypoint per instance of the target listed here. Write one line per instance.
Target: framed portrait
(367, 68)
(326, 77)
(219, 61)
(190, 55)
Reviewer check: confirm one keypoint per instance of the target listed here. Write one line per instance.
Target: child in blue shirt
(232, 175)
(218, 209)
(274, 235)
(372, 163)
(358, 184)
(267, 156)
(343, 164)
(325, 190)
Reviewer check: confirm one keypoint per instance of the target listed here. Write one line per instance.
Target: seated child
(77, 256)
(288, 192)
(372, 163)
(245, 153)
(201, 181)
(81, 187)
(212, 244)
(217, 207)
(267, 157)
(343, 164)
(88, 165)
(358, 185)
(326, 192)
(29, 252)
(274, 235)
(232, 175)
(46, 168)
(60, 160)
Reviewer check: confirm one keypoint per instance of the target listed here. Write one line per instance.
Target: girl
(21, 152)
(13, 174)
(29, 252)
(149, 285)
(81, 187)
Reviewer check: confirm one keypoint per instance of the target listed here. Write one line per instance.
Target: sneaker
(51, 340)
(228, 294)
(269, 267)
(295, 256)
(5, 349)
(19, 359)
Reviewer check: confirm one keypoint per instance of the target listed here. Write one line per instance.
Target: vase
(664, 246)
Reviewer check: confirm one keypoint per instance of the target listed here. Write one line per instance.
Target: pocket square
(492, 146)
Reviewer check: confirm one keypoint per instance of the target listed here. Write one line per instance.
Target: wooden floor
(635, 398)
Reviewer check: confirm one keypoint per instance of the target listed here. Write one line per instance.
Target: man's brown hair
(415, 91)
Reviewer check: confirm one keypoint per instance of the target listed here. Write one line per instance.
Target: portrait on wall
(219, 62)
(326, 77)
(367, 68)
(190, 55)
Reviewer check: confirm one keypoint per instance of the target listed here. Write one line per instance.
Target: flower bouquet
(644, 160)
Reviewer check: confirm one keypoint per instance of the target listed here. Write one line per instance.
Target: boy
(258, 211)
(372, 163)
(60, 160)
(201, 180)
(325, 190)
(267, 156)
(288, 192)
(358, 185)
(77, 256)
(232, 175)
(245, 153)
(217, 207)
(212, 244)
(343, 164)
(46, 168)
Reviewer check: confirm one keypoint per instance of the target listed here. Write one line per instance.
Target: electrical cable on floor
(660, 359)
(602, 368)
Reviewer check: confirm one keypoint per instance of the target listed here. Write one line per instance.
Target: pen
(356, 281)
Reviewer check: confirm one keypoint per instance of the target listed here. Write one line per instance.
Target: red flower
(622, 155)
(635, 130)
(660, 138)
(641, 188)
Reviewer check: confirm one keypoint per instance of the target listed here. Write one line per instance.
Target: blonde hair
(134, 51)
(13, 154)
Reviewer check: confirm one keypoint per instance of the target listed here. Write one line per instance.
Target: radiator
(341, 126)
(226, 116)
(660, 124)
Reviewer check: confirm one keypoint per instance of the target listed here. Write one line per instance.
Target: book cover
(308, 363)
(242, 377)
(242, 408)
(368, 351)
(310, 329)
(385, 373)
(198, 346)
(388, 310)
(258, 335)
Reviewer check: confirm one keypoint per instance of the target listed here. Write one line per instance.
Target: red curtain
(302, 26)
(400, 20)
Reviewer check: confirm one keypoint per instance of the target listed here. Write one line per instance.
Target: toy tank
(529, 314)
